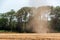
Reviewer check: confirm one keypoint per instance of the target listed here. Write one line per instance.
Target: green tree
(55, 22)
(10, 16)
(3, 23)
(22, 15)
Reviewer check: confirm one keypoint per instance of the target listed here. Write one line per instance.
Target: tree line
(16, 21)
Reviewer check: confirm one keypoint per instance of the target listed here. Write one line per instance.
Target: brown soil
(17, 36)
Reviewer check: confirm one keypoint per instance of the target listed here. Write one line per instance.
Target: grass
(5, 31)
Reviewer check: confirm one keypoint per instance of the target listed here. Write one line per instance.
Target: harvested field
(22, 36)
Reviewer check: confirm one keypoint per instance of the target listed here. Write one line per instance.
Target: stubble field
(29, 36)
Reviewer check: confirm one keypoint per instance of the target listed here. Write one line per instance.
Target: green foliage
(7, 21)
(22, 13)
(3, 22)
(55, 23)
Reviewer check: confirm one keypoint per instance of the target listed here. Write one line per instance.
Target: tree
(11, 15)
(55, 22)
(3, 23)
(22, 16)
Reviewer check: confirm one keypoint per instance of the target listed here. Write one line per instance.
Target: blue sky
(7, 5)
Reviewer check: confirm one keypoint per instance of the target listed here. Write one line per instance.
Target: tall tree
(22, 16)
(10, 16)
(55, 22)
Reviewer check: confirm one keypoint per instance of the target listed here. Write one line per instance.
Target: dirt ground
(24, 36)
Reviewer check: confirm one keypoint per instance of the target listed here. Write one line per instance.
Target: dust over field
(23, 36)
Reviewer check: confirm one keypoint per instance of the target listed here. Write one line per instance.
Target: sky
(7, 5)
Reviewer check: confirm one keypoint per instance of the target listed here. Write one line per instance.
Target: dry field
(24, 36)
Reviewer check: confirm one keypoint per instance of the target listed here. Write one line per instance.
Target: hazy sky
(7, 5)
